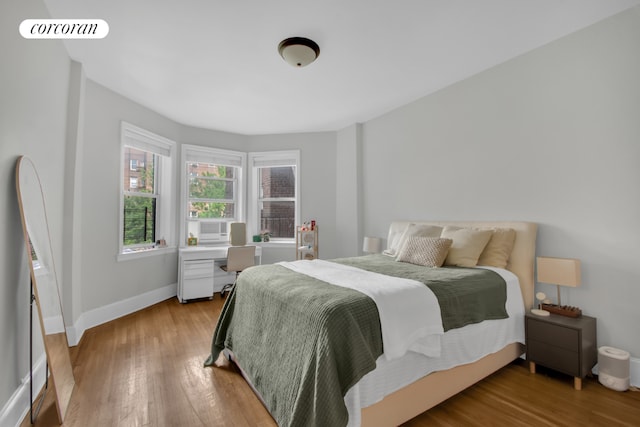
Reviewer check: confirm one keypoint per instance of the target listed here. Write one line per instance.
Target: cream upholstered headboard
(521, 261)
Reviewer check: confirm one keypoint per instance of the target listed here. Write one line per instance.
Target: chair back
(240, 257)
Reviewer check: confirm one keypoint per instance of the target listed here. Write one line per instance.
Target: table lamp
(372, 245)
(559, 272)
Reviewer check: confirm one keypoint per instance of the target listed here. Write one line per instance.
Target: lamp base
(539, 312)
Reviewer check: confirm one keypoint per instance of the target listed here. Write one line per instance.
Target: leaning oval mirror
(45, 283)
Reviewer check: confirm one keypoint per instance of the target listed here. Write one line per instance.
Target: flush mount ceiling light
(298, 51)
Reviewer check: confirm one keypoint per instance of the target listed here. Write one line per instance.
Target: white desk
(199, 273)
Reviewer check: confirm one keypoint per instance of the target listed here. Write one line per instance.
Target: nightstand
(564, 344)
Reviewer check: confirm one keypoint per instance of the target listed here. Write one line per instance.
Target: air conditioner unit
(212, 232)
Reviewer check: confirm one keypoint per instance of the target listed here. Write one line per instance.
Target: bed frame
(427, 392)
(434, 388)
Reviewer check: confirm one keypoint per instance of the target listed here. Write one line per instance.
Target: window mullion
(140, 194)
(192, 199)
(211, 178)
(277, 199)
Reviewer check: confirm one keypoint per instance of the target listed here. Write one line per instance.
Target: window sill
(275, 244)
(131, 255)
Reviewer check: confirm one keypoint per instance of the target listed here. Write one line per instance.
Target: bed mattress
(458, 347)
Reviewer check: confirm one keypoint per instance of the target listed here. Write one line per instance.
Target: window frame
(163, 150)
(262, 159)
(215, 156)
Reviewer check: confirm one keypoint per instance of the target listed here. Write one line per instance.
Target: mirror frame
(37, 240)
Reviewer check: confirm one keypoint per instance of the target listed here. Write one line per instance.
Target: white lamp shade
(559, 271)
(372, 245)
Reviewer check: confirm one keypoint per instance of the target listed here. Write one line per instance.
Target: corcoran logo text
(64, 29)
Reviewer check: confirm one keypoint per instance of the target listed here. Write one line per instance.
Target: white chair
(238, 258)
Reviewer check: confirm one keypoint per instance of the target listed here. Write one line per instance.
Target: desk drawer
(197, 288)
(554, 335)
(198, 269)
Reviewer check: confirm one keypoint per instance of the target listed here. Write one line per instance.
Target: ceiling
(214, 64)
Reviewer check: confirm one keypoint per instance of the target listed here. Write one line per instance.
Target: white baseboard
(635, 372)
(17, 407)
(107, 313)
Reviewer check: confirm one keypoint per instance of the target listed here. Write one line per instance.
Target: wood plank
(146, 369)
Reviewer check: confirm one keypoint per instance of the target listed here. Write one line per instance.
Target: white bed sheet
(459, 346)
(417, 327)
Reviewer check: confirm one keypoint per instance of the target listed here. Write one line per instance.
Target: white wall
(104, 279)
(348, 195)
(552, 137)
(33, 103)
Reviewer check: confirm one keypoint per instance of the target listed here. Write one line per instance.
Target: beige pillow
(421, 230)
(467, 245)
(427, 251)
(498, 250)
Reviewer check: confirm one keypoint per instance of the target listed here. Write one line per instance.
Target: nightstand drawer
(551, 356)
(553, 335)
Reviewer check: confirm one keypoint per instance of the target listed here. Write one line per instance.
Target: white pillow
(421, 230)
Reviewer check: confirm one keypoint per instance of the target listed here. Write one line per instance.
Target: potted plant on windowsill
(266, 235)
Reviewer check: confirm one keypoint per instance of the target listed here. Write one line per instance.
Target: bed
(370, 387)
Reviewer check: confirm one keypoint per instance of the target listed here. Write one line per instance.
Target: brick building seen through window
(140, 198)
(277, 201)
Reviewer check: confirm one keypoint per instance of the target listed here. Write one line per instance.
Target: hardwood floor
(146, 369)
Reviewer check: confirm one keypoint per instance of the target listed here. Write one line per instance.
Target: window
(274, 193)
(139, 215)
(213, 189)
(145, 214)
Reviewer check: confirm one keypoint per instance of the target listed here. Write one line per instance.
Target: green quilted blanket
(303, 342)
(465, 295)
